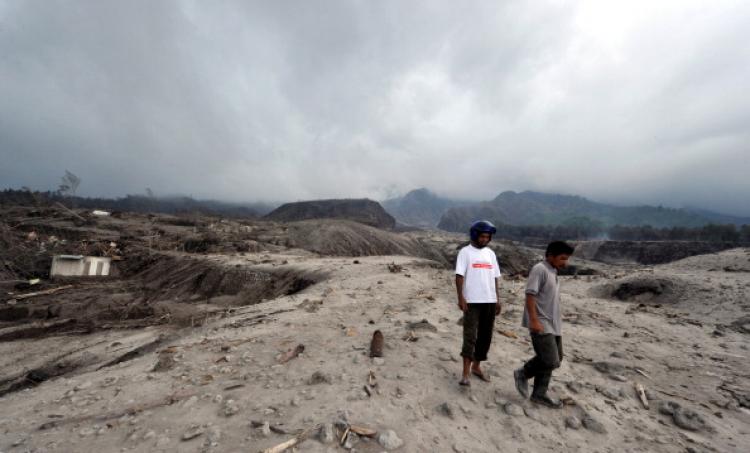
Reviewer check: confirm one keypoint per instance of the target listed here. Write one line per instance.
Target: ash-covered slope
(358, 210)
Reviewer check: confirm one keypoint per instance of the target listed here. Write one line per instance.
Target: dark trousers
(479, 320)
(549, 354)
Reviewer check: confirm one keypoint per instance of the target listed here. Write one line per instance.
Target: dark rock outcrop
(646, 252)
(363, 211)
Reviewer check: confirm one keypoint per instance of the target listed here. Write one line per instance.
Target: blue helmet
(481, 226)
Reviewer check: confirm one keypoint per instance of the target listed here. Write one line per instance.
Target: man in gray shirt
(542, 317)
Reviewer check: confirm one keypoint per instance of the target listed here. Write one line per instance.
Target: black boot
(547, 401)
(519, 376)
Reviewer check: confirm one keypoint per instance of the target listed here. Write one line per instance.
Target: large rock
(643, 289)
(359, 210)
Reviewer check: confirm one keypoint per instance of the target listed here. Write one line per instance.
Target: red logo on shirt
(481, 265)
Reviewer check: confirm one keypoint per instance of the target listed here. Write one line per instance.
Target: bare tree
(69, 185)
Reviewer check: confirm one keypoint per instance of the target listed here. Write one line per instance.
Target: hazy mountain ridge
(534, 208)
(420, 207)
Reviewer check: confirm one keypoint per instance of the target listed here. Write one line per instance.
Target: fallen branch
(301, 437)
(42, 293)
(274, 428)
(507, 333)
(140, 350)
(35, 330)
(69, 211)
(290, 354)
(641, 394)
(134, 409)
(346, 434)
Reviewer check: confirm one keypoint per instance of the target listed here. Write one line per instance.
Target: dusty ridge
(358, 210)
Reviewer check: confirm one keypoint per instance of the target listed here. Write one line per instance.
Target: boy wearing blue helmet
(478, 290)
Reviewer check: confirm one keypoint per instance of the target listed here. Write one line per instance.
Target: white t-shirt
(480, 269)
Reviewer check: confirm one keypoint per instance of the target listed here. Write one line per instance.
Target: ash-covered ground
(225, 335)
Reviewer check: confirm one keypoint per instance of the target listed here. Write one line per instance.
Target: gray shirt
(543, 285)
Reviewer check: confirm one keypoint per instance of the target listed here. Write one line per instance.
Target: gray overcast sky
(627, 102)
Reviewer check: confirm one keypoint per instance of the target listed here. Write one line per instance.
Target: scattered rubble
(192, 338)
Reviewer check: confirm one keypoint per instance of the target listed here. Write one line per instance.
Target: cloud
(625, 102)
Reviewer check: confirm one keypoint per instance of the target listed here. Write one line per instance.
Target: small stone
(572, 422)
(86, 432)
(667, 407)
(190, 401)
(319, 377)
(294, 402)
(218, 399)
(389, 440)
(688, 419)
(534, 415)
(325, 435)
(593, 425)
(82, 386)
(608, 367)
(352, 439)
(445, 357)
(230, 408)
(575, 387)
(150, 434)
(193, 431)
(109, 381)
(212, 437)
(513, 410)
(610, 393)
(18, 442)
(265, 429)
(447, 409)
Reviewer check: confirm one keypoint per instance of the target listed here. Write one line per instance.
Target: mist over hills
(423, 208)
(420, 208)
(176, 204)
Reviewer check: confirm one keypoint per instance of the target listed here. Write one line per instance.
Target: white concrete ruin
(80, 266)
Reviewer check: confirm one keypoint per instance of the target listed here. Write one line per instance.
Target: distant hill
(420, 208)
(363, 211)
(534, 208)
(141, 203)
(715, 217)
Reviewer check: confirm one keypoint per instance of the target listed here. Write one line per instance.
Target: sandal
(464, 382)
(480, 375)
